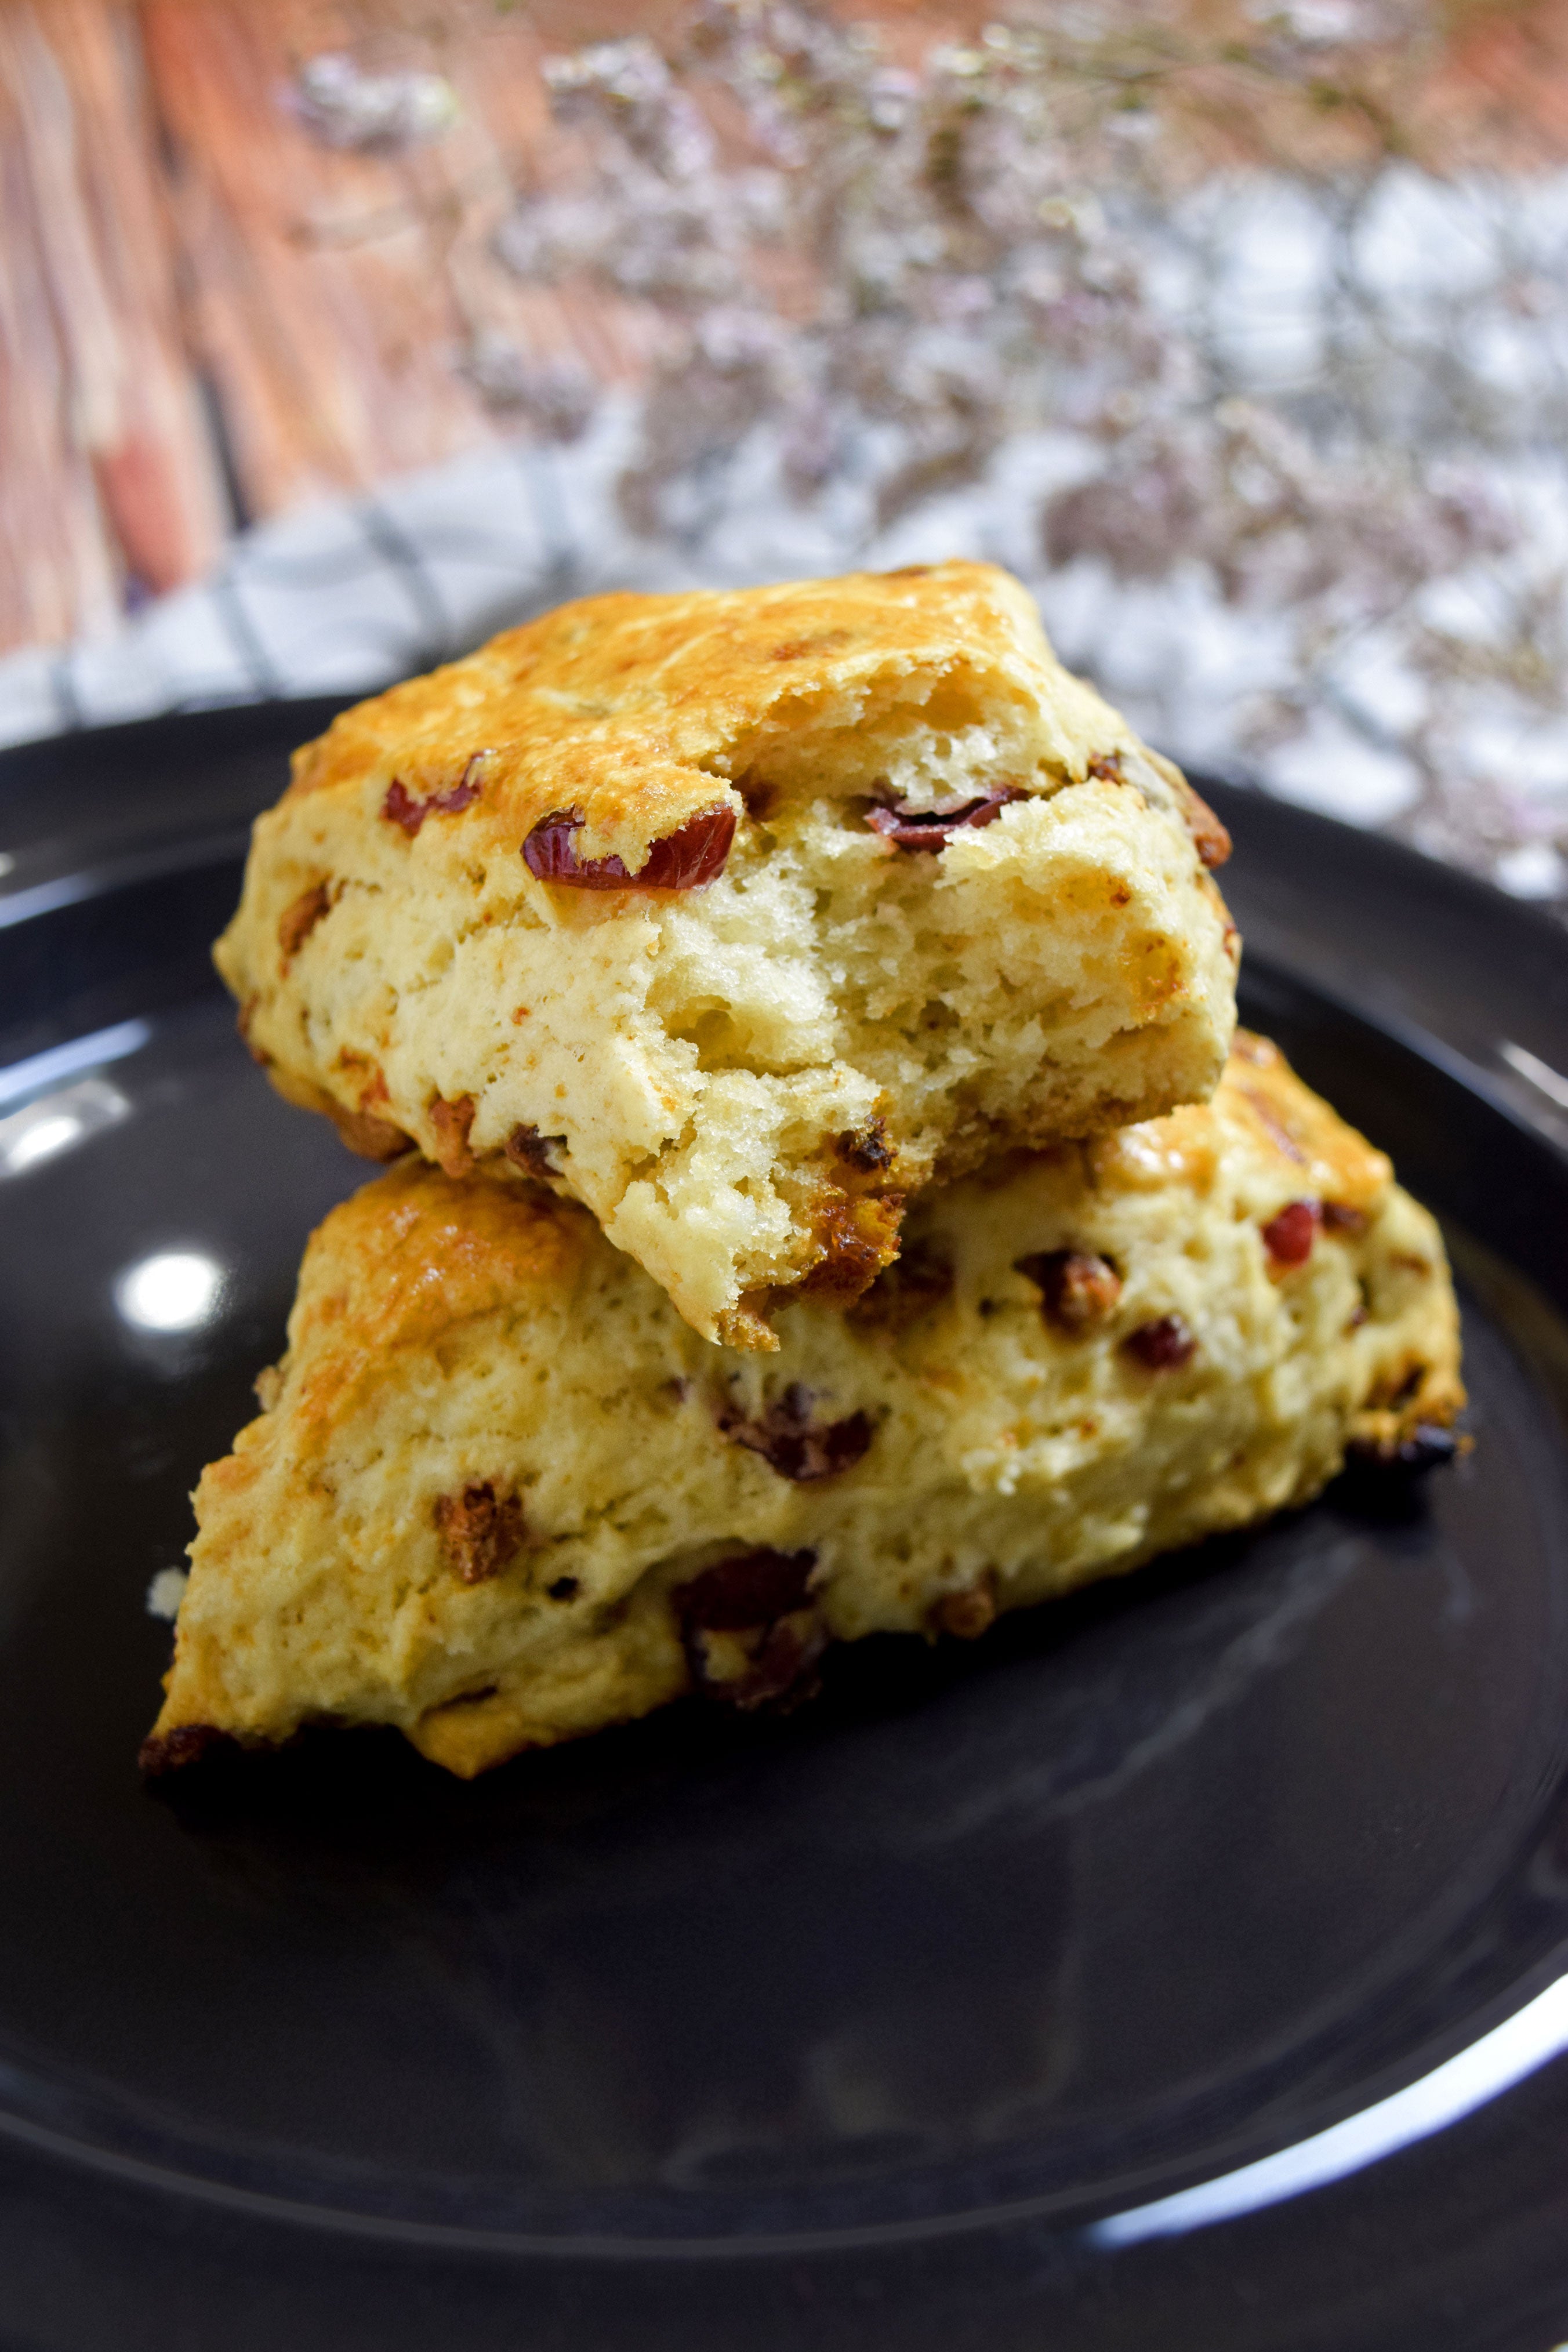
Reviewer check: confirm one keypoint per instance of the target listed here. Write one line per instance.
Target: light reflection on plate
(1507, 2053)
(58, 1122)
(174, 1290)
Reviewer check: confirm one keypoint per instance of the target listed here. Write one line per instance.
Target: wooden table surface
(206, 316)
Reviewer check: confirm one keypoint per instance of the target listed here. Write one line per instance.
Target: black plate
(899, 2026)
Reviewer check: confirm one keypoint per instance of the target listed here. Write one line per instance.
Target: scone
(739, 917)
(501, 1494)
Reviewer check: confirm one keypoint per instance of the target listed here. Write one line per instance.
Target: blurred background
(333, 336)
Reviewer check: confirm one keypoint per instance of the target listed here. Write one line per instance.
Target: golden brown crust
(858, 1238)
(1339, 1166)
(367, 1137)
(641, 711)
(415, 1255)
(1210, 839)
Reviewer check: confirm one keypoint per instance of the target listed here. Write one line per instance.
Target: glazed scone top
(641, 711)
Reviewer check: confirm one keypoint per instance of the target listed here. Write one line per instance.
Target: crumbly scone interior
(495, 1457)
(744, 1082)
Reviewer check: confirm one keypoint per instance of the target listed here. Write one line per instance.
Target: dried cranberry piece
(1289, 1237)
(774, 1672)
(784, 1435)
(1339, 1217)
(1077, 1288)
(683, 860)
(867, 1149)
(401, 807)
(750, 1632)
(479, 1532)
(300, 919)
(783, 1674)
(1428, 1447)
(752, 1589)
(1164, 1346)
(459, 795)
(532, 1154)
(1383, 1480)
(933, 829)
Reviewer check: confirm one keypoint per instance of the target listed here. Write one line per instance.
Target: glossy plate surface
(952, 2014)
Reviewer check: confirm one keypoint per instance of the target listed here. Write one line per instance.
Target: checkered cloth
(347, 596)
(340, 597)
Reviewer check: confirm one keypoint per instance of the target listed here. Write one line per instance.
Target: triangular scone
(501, 1494)
(739, 917)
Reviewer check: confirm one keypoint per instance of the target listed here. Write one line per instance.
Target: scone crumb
(165, 1593)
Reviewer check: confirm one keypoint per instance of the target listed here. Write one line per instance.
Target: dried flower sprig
(1288, 379)
(375, 113)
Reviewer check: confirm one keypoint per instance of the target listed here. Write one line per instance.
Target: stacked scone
(829, 1197)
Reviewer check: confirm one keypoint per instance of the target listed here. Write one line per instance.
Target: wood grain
(111, 486)
(206, 316)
